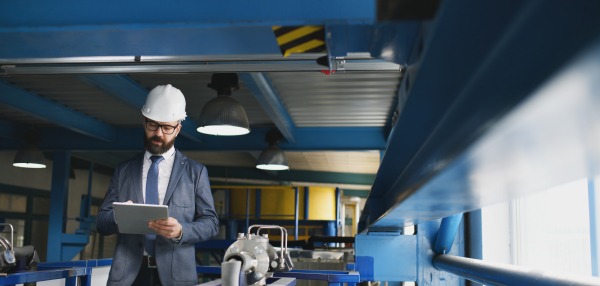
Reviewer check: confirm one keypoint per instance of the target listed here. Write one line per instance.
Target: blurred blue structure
(491, 92)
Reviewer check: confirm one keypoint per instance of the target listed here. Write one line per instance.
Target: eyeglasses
(167, 129)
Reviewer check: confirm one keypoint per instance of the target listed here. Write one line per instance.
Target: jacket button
(140, 244)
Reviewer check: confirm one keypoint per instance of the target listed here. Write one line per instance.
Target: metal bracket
(6, 67)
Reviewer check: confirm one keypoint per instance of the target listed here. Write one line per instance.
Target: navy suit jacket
(190, 202)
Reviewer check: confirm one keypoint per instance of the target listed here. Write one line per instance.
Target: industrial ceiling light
(224, 115)
(30, 156)
(273, 158)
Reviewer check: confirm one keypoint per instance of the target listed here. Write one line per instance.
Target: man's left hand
(168, 228)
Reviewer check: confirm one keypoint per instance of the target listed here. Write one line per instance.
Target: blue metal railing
(73, 269)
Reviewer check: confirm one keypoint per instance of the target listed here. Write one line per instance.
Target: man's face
(158, 141)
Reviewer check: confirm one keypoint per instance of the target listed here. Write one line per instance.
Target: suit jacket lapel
(178, 166)
(136, 174)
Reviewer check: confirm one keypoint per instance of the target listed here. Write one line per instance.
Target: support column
(257, 209)
(247, 208)
(594, 219)
(29, 221)
(58, 204)
(296, 214)
(306, 198)
(338, 205)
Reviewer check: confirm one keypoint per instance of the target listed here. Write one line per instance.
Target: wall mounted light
(30, 156)
(223, 115)
(272, 158)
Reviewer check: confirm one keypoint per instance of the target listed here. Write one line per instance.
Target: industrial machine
(251, 259)
(16, 259)
(7, 253)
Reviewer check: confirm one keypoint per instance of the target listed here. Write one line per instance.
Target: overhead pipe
(492, 273)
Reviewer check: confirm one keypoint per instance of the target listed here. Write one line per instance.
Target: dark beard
(157, 149)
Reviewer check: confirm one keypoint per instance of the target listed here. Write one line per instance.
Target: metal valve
(255, 257)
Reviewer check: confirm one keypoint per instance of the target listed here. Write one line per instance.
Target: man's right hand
(129, 202)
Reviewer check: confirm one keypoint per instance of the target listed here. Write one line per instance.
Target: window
(548, 230)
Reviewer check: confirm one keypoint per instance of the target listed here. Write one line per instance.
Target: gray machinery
(16, 259)
(7, 253)
(251, 259)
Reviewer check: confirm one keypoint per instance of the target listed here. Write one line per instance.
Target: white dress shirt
(165, 167)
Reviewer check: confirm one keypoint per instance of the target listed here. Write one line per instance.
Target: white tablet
(134, 218)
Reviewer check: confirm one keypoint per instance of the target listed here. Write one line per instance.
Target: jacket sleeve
(206, 223)
(105, 221)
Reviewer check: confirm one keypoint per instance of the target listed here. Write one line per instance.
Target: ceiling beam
(490, 138)
(124, 89)
(10, 131)
(34, 105)
(292, 176)
(130, 139)
(184, 28)
(261, 87)
(112, 159)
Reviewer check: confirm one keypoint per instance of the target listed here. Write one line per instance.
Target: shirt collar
(167, 155)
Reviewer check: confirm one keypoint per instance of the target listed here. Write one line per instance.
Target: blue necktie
(152, 196)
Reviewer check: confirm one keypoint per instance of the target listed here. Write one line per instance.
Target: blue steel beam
(130, 139)
(261, 87)
(38, 29)
(428, 167)
(122, 88)
(59, 194)
(45, 109)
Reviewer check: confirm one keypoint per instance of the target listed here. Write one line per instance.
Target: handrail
(491, 273)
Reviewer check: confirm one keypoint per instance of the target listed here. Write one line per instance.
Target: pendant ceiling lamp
(223, 115)
(272, 158)
(30, 156)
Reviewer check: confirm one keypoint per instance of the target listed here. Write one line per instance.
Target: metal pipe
(12, 231)
(276, 66)
(491, 273)
(283, 235)
(446, 234)
(177, 59)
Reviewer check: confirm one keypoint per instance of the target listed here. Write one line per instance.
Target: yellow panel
(238, 203)
(321, 203)
(281, 202)
(274, 201)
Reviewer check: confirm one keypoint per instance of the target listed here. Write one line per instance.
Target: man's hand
(168, 228)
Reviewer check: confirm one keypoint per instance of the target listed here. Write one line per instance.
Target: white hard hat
(165, 103)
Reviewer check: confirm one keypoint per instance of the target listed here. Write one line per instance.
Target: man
(160, 175)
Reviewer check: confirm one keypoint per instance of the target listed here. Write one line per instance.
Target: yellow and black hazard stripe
(300, 39)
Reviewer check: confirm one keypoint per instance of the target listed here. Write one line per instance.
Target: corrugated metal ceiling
(73, 93)
(340, 99)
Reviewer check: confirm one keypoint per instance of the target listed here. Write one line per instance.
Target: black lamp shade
(223, 116)
(272, 158)
(29, 157)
